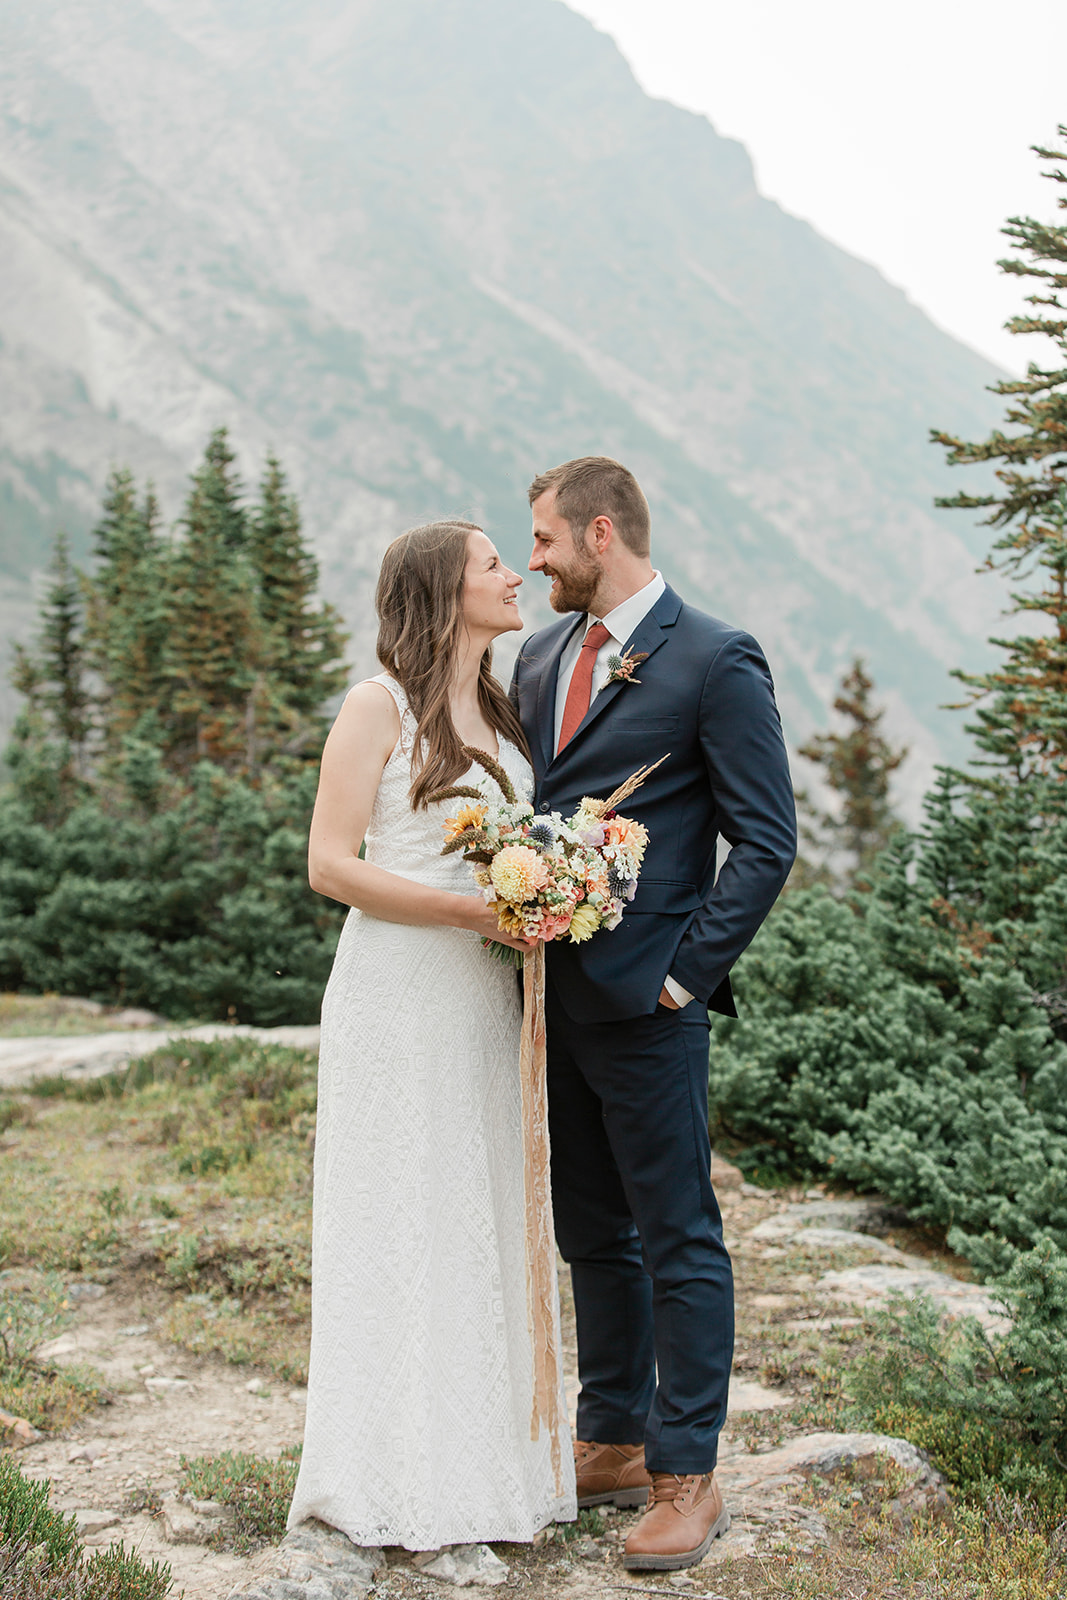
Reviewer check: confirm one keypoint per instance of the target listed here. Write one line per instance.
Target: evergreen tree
(127, 612)
(152, 843)
(858, 764)
(1022, 722)
(48, 747)
(220, 490)
(306, 641)
(216, 650)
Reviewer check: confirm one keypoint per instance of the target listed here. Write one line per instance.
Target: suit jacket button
(544, 805)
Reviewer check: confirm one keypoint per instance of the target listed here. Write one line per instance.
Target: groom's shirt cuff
(680, 996)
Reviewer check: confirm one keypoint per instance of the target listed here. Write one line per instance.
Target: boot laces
(665, 1486)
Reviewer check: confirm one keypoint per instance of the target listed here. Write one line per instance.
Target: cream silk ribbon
(540, 1234)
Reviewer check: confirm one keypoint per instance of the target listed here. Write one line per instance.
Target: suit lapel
(546, 692)
(645, 640)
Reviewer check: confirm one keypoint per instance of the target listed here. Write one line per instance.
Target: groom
(636, 1216)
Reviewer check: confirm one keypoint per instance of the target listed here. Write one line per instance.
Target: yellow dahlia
(467, 817)
(517, 873)
(584, 923)
(508, 919)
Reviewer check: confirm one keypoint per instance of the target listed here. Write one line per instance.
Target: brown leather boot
(614, 1472)
(684, 1515)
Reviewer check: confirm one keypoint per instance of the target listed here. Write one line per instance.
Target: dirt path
(93, 1055)
(802, 1265)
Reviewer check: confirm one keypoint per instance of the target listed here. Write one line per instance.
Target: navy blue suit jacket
(707, 698)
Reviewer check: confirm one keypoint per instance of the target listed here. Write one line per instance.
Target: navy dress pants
(638, 1223)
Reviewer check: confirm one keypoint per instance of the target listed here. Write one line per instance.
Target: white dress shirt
(620, 624)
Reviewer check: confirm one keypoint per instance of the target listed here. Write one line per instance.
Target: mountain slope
(426, 248)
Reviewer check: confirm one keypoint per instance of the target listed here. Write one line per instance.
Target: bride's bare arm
(353, 761)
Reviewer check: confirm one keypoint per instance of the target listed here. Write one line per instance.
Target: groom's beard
(577, 587)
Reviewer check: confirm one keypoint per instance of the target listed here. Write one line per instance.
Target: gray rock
(877, 1282)
(747, 1395)
(331, 1550)
(182, 1525)
(166, 1385)
(86, 1452)
(89, 1522)
(313, 1562)
(464, 1564)
(869, 1217)
(208, 1508)
(817, 1238)
(825, 1454)
(290, 1589)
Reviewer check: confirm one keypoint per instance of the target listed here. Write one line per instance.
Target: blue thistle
(542, 835)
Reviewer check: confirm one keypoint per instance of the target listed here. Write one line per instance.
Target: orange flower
(468, 817)
(632, 836)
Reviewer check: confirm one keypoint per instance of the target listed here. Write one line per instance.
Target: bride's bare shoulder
(369, 714)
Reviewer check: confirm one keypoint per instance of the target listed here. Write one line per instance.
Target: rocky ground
(806, 1265)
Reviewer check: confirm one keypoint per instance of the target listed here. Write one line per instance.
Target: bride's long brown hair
(420, 624)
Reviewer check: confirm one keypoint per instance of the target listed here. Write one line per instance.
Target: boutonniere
(621, 668)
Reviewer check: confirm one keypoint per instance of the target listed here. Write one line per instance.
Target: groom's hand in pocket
(666, 999)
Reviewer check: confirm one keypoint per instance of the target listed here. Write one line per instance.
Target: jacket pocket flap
(664, 894)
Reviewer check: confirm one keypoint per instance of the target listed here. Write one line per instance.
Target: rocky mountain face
(425, 248)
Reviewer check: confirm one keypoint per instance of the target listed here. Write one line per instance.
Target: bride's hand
(482, 919)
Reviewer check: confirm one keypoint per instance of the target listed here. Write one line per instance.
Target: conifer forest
(902, 1023)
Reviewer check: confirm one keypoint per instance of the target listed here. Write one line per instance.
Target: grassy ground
(193, 1172)
(28, 1016)
(189, 1179)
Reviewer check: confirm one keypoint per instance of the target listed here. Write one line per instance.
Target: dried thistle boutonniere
(621, 668)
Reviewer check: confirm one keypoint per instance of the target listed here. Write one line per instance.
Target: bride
(419, 1395)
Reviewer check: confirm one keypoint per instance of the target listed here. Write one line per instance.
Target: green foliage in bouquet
(153, 836)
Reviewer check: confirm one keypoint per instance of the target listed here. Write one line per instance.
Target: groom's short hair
(596, 486)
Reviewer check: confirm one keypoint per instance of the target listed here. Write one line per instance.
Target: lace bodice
(409, 842)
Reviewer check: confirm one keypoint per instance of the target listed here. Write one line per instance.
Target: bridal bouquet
(547, 877)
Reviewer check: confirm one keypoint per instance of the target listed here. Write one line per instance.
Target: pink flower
(552, 927)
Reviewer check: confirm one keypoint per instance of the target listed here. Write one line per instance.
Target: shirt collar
(621, 622)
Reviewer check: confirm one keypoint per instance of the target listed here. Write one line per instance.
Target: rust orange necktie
(580, 691)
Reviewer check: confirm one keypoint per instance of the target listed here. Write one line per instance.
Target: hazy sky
(901, 131)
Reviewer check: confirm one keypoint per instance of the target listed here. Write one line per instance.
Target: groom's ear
(600, 533)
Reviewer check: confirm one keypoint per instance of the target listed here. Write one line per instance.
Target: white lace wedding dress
(419, 1395)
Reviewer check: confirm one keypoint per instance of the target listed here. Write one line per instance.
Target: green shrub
(989, 1408)
(906, 1040)
(202, 909)
(28, 1521)
(42, 1559)
(259, 1491)
(31, 1311)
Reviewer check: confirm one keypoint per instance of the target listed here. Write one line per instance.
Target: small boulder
(90, 1522)
(16, 1431)
(464, 1564)
(190, 1521)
